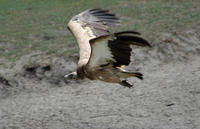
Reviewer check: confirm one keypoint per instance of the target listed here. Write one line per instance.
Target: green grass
(40, 25)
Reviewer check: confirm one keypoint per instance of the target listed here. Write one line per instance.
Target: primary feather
(97, 20)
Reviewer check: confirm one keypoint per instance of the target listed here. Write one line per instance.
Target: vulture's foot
(126, 84)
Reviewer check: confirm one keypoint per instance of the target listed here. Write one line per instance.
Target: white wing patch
(90, 33)
(101, 54)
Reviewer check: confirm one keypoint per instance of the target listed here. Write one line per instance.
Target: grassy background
(40, 25)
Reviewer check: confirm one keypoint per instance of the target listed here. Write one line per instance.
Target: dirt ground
(34, 95)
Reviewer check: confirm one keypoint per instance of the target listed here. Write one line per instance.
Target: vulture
(102, 54)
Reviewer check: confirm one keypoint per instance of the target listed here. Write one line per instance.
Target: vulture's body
(103, 54)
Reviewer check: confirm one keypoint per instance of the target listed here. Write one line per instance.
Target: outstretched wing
(114, 50)
(96, 21)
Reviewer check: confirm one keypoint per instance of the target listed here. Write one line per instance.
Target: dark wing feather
(127, 33)
(98, 20)
(133, 40)
(121, 47)
(121, 52)
(113, 50)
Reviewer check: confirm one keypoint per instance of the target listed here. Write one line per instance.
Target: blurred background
(40, 25)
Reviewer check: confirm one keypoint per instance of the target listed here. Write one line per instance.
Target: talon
(126, 84)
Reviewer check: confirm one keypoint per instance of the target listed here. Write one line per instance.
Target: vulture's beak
(72, 75)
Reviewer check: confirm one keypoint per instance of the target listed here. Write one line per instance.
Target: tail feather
(126, 74)
(138, 75)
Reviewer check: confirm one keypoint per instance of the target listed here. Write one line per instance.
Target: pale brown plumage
(103, 54)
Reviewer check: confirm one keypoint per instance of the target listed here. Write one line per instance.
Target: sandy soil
(35, 96)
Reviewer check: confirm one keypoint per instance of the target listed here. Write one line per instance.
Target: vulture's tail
(126, 74)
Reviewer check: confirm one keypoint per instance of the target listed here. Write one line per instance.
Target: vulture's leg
(126, 83)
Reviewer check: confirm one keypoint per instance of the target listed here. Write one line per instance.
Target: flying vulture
(103, 54)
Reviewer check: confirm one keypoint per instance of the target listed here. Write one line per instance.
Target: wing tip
(134, 40)
(97, 9)
(104, 15)
(129, 32)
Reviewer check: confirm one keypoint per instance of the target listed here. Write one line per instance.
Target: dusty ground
(34, 95)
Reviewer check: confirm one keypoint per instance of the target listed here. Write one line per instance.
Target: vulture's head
(72, 75)
(79, 74)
